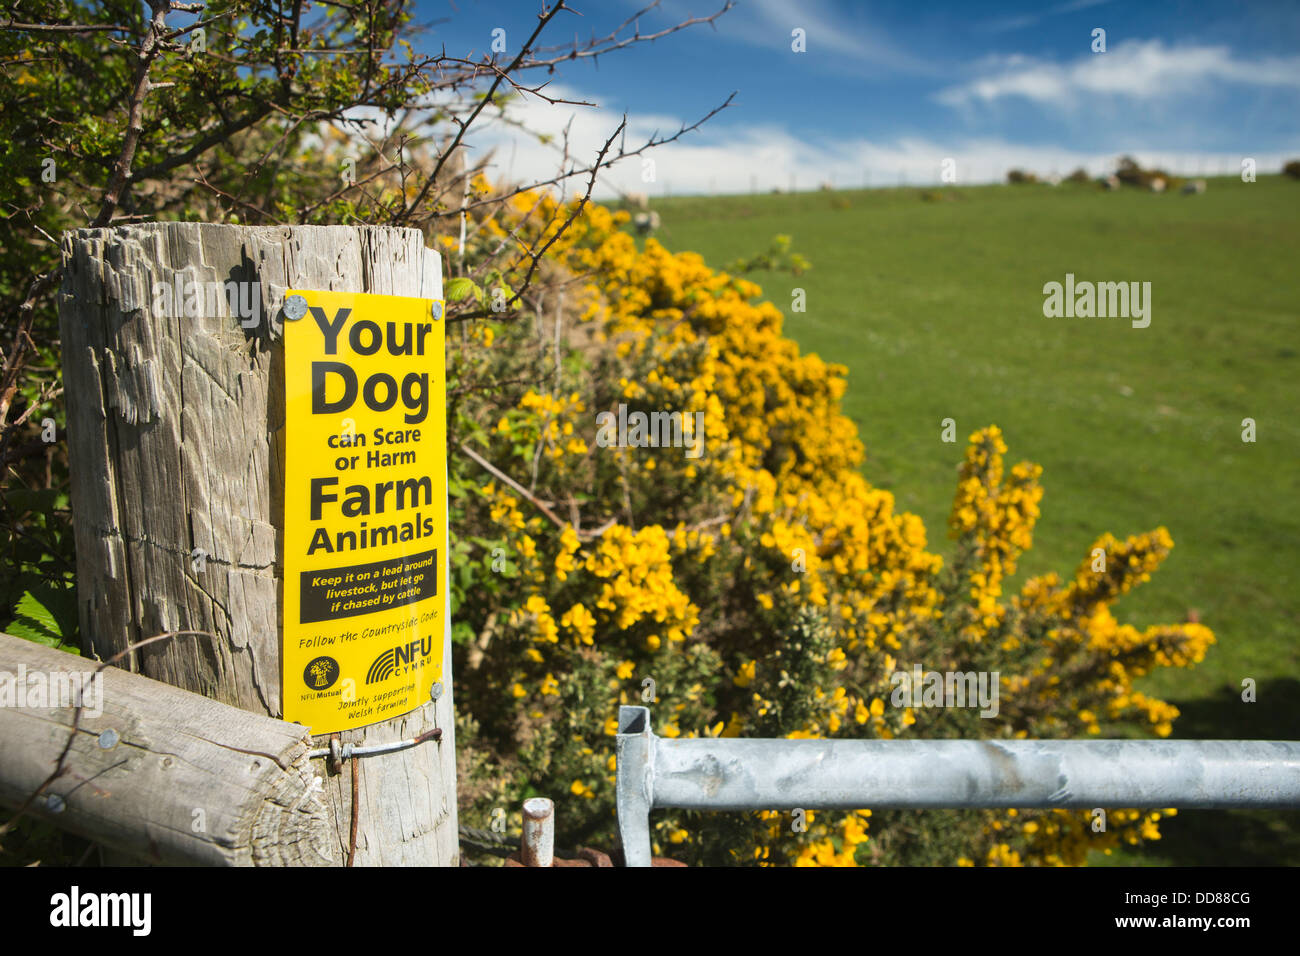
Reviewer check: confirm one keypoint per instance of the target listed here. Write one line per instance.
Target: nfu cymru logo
(655, 430)
(400, 660)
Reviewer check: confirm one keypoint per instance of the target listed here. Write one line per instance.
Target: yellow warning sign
(365, 507)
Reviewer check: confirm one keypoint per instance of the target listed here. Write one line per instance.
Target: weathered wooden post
(176, 423)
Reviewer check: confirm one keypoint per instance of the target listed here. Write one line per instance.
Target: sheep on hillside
(646, 222)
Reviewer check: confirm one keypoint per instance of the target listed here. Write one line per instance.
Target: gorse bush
(764, 588)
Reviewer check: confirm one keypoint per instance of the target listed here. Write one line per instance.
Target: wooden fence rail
(153, 772)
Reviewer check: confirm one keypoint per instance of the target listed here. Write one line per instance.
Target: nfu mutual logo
(652, 430)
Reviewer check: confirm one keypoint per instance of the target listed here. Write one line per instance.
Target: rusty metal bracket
(701, 773)
(337, 751)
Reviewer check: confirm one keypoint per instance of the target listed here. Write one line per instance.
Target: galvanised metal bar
(740, 774)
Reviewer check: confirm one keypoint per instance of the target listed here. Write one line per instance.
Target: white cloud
(840, 40)
(724, 157)
(1019, 23)
(519, 157)
(1135, 70)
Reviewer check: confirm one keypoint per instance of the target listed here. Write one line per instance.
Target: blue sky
(887, 90)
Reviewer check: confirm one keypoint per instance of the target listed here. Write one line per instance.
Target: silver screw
(54, 803)
(108, 739)
(436, 311)
(436, 690)
(295, 307)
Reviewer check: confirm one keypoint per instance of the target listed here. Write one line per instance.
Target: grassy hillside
(934, 302)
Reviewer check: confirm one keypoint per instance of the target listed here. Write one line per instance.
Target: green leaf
(462, 288)
(31, 631)
(39, 500)
(46, 614)
(30, 607)
(49, 619)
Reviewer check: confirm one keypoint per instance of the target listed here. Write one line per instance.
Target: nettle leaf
(48, 619)
(29, 606)
(29, 630)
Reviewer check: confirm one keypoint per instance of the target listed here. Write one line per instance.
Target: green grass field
(935, 305)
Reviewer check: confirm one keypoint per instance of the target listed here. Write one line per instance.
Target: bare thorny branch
(441, 73)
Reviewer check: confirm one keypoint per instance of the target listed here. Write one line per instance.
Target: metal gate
(752, 774)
